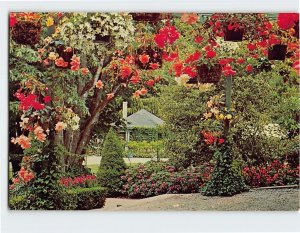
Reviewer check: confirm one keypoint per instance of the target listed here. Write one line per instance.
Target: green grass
(94, 167)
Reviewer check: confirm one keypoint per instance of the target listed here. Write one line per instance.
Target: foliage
(112, 165)
(88, 198)
(271, 174)
(152, 178)
(224, 180)
(146, 133)
(183, 121)
(17, 202)
(144, 149)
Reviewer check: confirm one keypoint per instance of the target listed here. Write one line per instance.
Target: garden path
(254, 200)
(96, 160)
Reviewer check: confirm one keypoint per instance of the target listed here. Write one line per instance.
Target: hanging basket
(277, 52)
(155, 55)
(209, 74)
(146, 17)
(234, 35)
(98, 37)
(27, 32)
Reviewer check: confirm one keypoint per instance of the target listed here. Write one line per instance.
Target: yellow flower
(221, 116)
(50, 21)
(228, 116)
(52, 56)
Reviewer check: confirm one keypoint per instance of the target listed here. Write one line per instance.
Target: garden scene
(153, 111)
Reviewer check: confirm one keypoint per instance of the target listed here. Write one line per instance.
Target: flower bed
(79, 181)
(153, 179)
(271, 174)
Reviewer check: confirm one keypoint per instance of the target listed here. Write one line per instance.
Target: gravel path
(96, 160)
(254, 200)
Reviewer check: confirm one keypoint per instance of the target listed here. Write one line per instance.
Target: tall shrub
(112, 165)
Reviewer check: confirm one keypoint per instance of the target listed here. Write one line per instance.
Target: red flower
(178, 66)
(157, 79)
(190, 71)
(240, 60)
(193, 57)
(249, 68)
(125, 71)
(47, 99)
(251, 47)
(223, 61)
(228, 71)
(287, 20)
(12, 20)
(221, 140)
(144, 58)
(167, 35)
(154, 66)
(296, 66)
(144, 91)
(135, 79)
(198, 39)
(169, 57)
(210, 54)
(150, 83)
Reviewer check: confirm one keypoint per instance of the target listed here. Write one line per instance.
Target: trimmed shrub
(88, 198)
(112, 165)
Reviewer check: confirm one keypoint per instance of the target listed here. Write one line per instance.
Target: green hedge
(88, 198)
(145, 149)
(75, 199)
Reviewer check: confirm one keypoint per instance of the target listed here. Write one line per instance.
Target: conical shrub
(112, 165)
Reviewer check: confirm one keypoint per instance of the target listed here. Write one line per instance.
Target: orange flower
(110, 96)
(60, 62)
(154, 66)
(24, 141)
(135, 79)
(85, 71)
(189, 18)
(75, 63)
(144, 91)
(137, 94)
(99, 84)
(125, 71)
(39, 134)
(60, 126)
(144, 58)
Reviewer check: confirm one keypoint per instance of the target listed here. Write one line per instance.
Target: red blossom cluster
(286, 21)
(166, 35)
(212, 137)
(79, 181)
(269, 174)
(30, 100)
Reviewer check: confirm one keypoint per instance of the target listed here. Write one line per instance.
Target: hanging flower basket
(234, 35)
(98, 37)
(153, 54)
(209, 74)
(146, 17)
(277, 52)
(27, 32)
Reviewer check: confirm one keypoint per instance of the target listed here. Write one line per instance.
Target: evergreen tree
(112, 165)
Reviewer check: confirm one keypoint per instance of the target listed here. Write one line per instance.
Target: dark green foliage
(182, 110)
(112, 165)
(88, 198)
(146, 134)
(225, 181)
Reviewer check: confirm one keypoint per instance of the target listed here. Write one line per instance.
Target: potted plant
(26, 28)
(236, 27)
